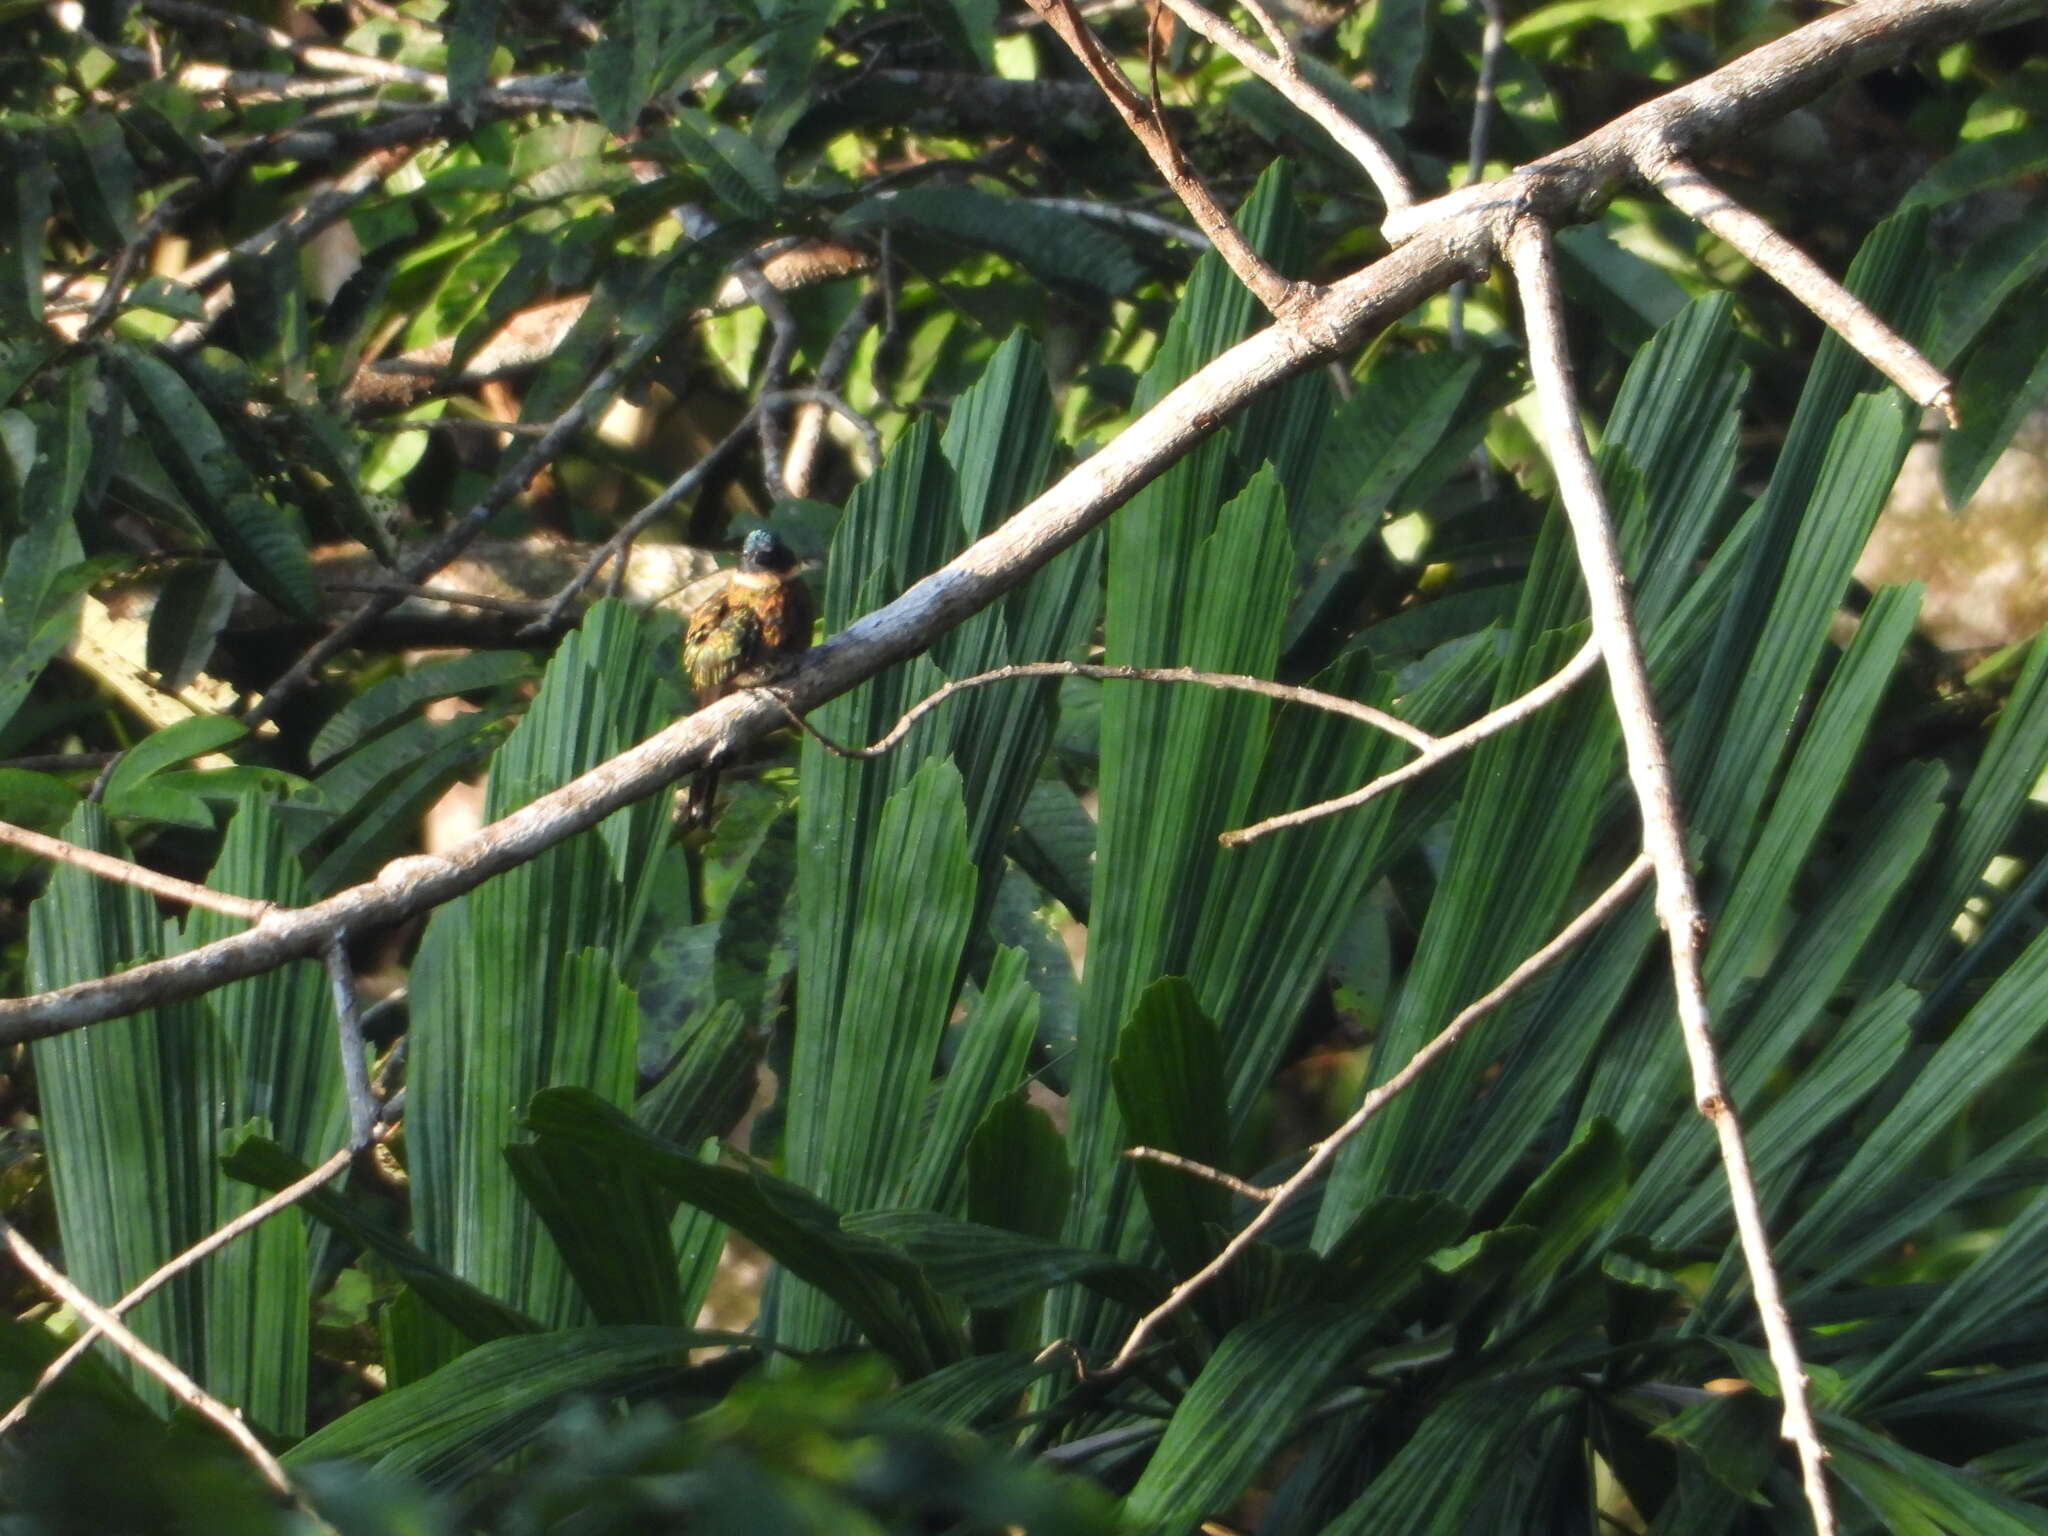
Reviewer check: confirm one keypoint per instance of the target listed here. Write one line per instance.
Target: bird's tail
(697, 803)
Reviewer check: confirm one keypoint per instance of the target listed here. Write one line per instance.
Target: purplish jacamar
(743, 635)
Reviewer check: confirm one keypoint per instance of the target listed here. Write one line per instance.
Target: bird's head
(764, 551)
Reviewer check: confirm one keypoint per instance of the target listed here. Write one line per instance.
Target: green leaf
(175, 743)
(1987, 162)
(515, 987)
(709, 1086)
(127, 1110)
(476, 1411)
(855, 1094)
(1912, 1492)
(1247, 1402)
(1571, 1199)
(1988, 1039)
(2002, 384)
(876, 1286)
(259, 541)
(378, 707)
(610, 1225)
(989, 1267)
(1974, 1309)
(1169, 1083)
(990, 1049)
(743, 177)
(1431, 1484)
(191, 609)
(98, 177)
(24, 214)
(476, 1316)
(1056, 247)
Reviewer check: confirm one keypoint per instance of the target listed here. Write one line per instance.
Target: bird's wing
(799, 610)
(720, 637)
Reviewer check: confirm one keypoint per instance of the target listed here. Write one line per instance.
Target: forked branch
(213, 1242)
(181, 1386)
(1148, 127)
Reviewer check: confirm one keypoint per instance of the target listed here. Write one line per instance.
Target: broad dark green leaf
(515, 988)
(1057, 247)
(379, 706)
(190, 611)
(1247, 1401)
(475, 1411)
(877, 1287)
(2005, 380)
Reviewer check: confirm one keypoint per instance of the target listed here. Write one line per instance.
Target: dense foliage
(257, 282)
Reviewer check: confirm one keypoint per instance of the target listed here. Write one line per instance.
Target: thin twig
(348, 1031)
(182, 1387)
(1491, 40)
(509, 483)
(326, 207)
(517, 607)
(107, 867)
(336, 61)
(1678, 907)
(455, 424)
(213, 1242)
(1693, 195)
(1325, 1151)
(622, 541)
(1277, 293)
(836, 403)
(807, 432)
(1279, 70)
(1139, 219)
(1188, 1165)
(1379, 719)
(1583, 661)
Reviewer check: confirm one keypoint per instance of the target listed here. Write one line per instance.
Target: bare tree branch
(1443, 240)
(1148, 126)
(182, 1387)
(1490, 42)
(1233, 682)
(348, 1032)
(1678, 906)
(107, 867)
(1800, 275)
(1279, 70)
(1443, 749)
(1324, 1152)
(617, 546)
(509, 483)
(254, 1217)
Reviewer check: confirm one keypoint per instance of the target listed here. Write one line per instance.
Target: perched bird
(744, 634)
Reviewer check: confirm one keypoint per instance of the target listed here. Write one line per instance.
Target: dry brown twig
(1147, 123)
(181, 1386)
(1678, 906)
(1324, 1152)
(1463, 739)
(212, 1243)
(1279, 70)
(1229, 682)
